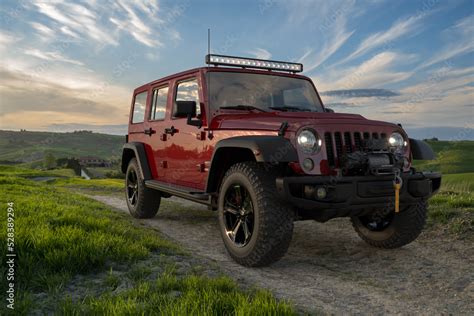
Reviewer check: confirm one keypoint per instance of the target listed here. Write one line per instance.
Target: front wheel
(255, 225)
(387, 229)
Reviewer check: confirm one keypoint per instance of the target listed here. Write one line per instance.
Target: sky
(69, 65)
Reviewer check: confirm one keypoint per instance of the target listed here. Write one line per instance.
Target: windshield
(264, 93)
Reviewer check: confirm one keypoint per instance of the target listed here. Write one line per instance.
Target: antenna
(208, 67)
(209, 133)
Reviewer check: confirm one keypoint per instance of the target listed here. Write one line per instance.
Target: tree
(49, 161)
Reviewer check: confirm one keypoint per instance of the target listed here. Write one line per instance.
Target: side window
(189, 91)
(139, 107)
(158, 105)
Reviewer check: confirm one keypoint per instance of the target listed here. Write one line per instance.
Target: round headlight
(309, 141)
(396, 141)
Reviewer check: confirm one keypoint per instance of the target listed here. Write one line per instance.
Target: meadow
(76, 256)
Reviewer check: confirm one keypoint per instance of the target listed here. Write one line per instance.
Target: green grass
(93, 186)
(190, 295)
(452, 157)
(452, 209)
(33, 173)
(60, 235)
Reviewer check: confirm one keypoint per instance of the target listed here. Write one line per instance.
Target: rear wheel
(142, 202)
(387, 229)
(256, 226)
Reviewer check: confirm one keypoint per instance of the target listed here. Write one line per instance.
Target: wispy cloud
(51, 56)
(328, 21)
(461, 41)
(384, 38)
(378, 71)
(260, 53)
(77, 18)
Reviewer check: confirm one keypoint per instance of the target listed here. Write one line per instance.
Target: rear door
(157, 118)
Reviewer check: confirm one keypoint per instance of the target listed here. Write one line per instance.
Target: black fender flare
(272, 149)
(263, 148)
(420, 150)
(137, 150)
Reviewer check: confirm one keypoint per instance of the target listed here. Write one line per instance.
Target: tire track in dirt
(329, 269)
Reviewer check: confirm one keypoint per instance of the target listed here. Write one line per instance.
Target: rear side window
(189, 91)
(158, 105)
(139, 108)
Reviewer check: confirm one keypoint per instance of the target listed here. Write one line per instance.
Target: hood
(272, 121)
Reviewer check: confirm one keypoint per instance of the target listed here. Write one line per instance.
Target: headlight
(309, 141)
(396, 141)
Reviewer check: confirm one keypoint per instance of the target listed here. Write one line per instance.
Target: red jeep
(252, 139)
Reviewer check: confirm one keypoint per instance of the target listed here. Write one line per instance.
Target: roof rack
(243, 62)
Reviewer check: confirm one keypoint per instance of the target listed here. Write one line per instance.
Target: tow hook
(397, 184)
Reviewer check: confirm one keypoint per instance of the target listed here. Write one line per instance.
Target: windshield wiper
(242, 107)
(286, 108)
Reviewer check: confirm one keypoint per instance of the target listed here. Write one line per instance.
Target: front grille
(338, 144)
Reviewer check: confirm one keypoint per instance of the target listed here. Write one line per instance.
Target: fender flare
(265, 148)
(139, 152)
(420, 150)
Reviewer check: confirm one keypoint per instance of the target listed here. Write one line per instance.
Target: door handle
(149, 131)
(171, 130)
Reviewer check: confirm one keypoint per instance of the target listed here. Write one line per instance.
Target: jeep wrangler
(252, 140)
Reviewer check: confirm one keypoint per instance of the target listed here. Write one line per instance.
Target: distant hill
(28, 146)
(452, 157)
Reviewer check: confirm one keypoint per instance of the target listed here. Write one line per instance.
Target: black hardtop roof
(226, 69)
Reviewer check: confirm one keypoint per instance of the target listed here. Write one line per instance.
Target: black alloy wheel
(238, 215)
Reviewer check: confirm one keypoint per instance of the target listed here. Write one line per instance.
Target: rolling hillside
(452, 157)
(26, 146)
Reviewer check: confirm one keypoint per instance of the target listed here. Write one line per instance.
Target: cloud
(384, 38)
(376, 72)
(77, 18)
(260, 53)
(134, 24)
(6, 39)
(45, 32)
(21, 94)
(461, 42)
(331, 23)
(51, 56)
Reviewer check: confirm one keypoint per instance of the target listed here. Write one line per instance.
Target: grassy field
(452, 157)
(76, 257)
(29, 147)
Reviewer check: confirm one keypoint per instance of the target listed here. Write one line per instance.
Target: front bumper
(349, 196)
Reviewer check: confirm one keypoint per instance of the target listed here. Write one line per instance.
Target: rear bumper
(348, 196)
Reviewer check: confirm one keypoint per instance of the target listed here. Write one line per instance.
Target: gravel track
(329, 269)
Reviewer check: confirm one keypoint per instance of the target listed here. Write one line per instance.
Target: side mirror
(187, 109)
(328, 110)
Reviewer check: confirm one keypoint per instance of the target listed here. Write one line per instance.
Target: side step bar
(198, 197)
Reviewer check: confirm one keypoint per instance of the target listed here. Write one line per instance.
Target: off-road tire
(147, 200)
(405, 227)
(273, 219)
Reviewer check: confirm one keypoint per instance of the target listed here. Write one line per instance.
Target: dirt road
(329, 269)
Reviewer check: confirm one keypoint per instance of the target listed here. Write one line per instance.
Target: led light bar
(253, 63)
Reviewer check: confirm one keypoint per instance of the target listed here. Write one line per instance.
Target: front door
(184, 146)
